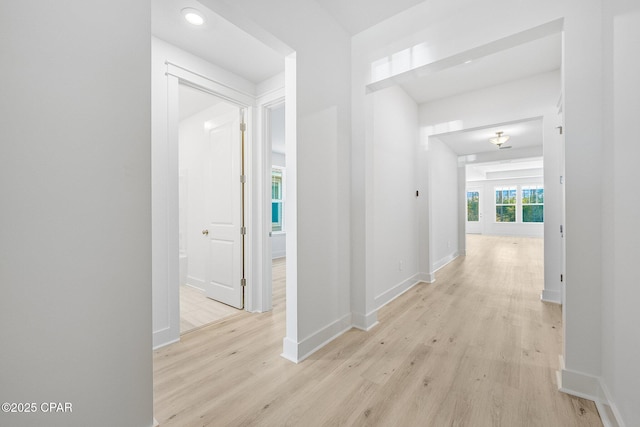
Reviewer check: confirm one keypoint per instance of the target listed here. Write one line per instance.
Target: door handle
(205, 232)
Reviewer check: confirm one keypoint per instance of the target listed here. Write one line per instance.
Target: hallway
(475, 348)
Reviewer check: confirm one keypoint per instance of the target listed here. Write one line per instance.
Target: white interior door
(474, 210)
(223, 207)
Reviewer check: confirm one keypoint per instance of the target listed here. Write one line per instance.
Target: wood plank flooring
(475, 348)
(196, 310)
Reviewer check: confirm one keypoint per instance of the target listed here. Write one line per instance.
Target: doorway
(275, 131)
(210, 207)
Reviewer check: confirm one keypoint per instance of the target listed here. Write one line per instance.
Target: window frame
(503, 188)
(523, 204)
(281, 200)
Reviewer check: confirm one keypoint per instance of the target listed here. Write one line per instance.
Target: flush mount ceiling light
(499, 139)
(193, 16)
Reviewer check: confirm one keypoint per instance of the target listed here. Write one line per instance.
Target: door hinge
(562, 277)
(243, 230)
(243, 179)
(243, 127)
(559, 129)
(561, 179)
(561, 231)
(243, 282)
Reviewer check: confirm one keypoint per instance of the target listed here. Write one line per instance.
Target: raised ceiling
(217, 41)
(519, 62)
(358, 15)
(523, 134)
(505, 169)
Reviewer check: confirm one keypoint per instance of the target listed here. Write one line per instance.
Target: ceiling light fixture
(193, 16)
(499, 139)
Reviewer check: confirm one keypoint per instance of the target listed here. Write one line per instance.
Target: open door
(224, 227)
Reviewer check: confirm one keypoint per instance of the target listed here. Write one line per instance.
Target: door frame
(264, 295)
(165, 176)
(177, 75)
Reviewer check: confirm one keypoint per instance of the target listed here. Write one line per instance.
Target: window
(473, 201)
(277, 200)
(505, 204)
(533, 203)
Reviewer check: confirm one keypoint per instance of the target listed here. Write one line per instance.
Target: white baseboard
(608, 410)
(290, 350)
(393, 293)
(427, 277)
(554, 297)
(165, 337)
(364, 322)
(443, 261)
(298, 351)
(194, 282)
(590, 387)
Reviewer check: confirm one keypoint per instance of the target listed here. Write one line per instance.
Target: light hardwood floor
(475, 348)
(196, 310)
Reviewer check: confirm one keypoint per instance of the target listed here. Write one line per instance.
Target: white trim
(393, 293)
(195, 283)
(218, 88)
(297, 352)
(164, 337)
(579, 384)
(261, 300)
(554, 297)
(443, 262)
(278, 254)
(427, 277)
(290, 350)
(590, 387)
(177, 75)
(364, 322)
(609, 412)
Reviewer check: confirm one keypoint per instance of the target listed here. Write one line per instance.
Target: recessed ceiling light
(193, 16)
(468, 61)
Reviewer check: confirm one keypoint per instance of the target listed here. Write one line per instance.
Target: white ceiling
(505, 169)
(220, 42)
(523, 134)
(217, 41)
(528, 59)
(358, 15)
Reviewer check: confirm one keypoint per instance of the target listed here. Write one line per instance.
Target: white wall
(454, 27)
(488, 208)
(318, 164)
(75, 264)
(395, 220)
(443, 201)
(620, 293)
